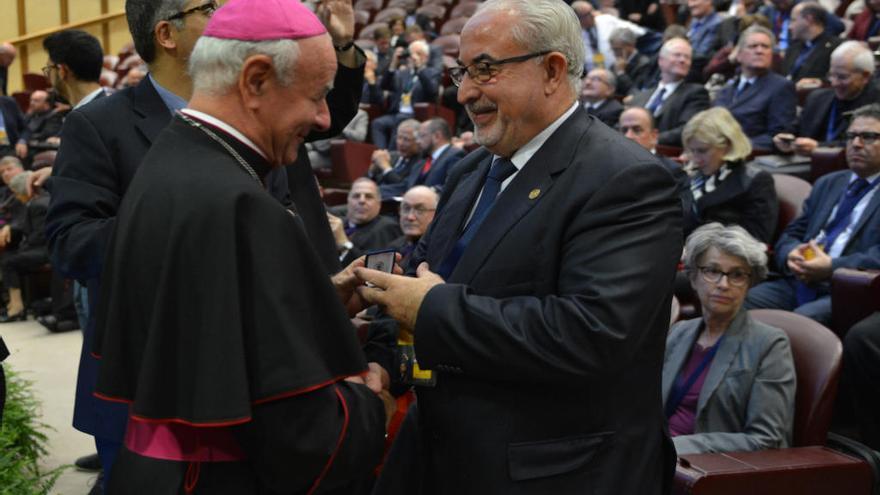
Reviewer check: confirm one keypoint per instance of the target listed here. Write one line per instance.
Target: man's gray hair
(18, 184)
(860, 55)
(11, 160)
(215, 64)
(755, 28)
(546, 25)
(623, 35)
(667, 45)
(732, 240)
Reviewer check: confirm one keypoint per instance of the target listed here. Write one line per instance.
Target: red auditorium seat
(464, 9)
(23, 98)
(855, 294)
(371, 6)
(806, 469)
(453, 25)
(445, 3)
(669, 151)
(791, 192)
(407, 5)
(449, 43)
(436, 12)
(33, 82)
(425, 111)
(349, 160)
(826, 160)
(366, 33)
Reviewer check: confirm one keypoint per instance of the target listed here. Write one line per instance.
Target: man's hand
(808, 83)
(37, 178)
(338, 18)
(804, 146)
(377, 379)
(5, 236)
(21, 149)
(337, 226)
(400, 296)
(380, 161)
(784, 142)
(809, 263)
(346, 283)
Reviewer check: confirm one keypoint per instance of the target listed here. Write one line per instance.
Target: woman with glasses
(725, 189)
(728, 380)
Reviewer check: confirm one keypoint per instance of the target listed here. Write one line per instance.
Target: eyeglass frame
(492, 67)
(721, 274)
(868, 138)
(207, 9)
(48, 68)
(419, 210)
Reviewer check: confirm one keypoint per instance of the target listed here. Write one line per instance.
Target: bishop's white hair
(215, 63)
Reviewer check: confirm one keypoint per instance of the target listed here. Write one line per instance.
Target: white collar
(214, 121)
(439, 151)
(524, 154)
(88, 98)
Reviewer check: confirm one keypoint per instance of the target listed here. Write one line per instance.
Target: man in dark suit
(417, 207)
(42, 122)
(410, 80)
(392, 169)
(434, 137)
(673, 101)
(827, 111)
(633, 69)
(7, 55)
(11, 125)
(763, 102)
(363, 228)
(102, 147)
(806, 60)
(839, 228)
(597, 96)
(544, 376)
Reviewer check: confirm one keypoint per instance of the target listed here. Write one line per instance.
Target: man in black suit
(11, 125)
(104, 143)
(434, 137)
(763, 102)
(544, 375)
(363, 228)
(826, 112)
(673, 101)
(633, 69)
(392, 169)
(74, 66)
(42, 122)
(597, 96)
(417, 207)
(807, 58)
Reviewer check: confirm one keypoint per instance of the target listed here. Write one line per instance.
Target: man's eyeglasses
(866, 137)
(419, 210)
(206, 9)
(736, 278)
(48, 69)
(483, 71)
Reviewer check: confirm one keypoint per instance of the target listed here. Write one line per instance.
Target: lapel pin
(534, 194)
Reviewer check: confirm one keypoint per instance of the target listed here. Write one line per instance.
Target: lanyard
(681, 387)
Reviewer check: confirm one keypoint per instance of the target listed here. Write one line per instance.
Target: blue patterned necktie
(500, 171)
(655, 103)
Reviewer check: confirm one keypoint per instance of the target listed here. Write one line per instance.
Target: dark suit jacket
(13, 120)
(747, 400)
(683, 189)
(609, 112)
(39, 127)
(687, 100)
(636, 75)
(440, 167)
(394, 182)
(548, 376)
(746, 197)
(424, 88)
(816, 63)
(813, 121)
(764, 109)
(863, 248)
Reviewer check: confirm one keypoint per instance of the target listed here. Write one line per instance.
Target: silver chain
(241, 161)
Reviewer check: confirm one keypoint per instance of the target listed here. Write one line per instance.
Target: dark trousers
(861, 376)
(14, 263)
(780, 294)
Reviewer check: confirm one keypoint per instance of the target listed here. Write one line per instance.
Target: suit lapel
(870, 210)
(724, 190)
(153, 113)
(678, 354)
(835, 190)
(728, 350)
(517, 199)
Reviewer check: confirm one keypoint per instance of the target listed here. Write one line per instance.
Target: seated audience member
(633, 69)
(372, 92)
(363, 228)
(435, 53)
(839, 228)
(596, 29)
(382, 50)
(391, 169)
(703, 29)
(867, 23)
(11, 125)
(637, 124)
(434, 138)
(826, 112)
(133, 77)
(673, 101)
(724, 187)
(416, 213)
(807, 58)
(410, 80)
(728, 380)
(28, 237)
(778, 12)
(10, 206)
(355, 130)
(723, 61)
(861, 376)
(41, 123)
(762, 101)
(597, 96)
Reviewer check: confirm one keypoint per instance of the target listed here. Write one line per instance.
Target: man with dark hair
(434, 137)
(104, 143)
(74, 66)
(839, 228)
(807, 58)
